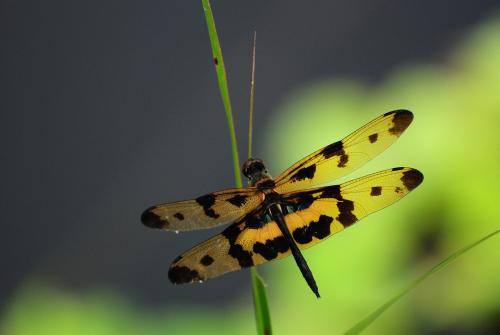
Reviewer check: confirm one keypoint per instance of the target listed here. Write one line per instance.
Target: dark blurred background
(110, 107)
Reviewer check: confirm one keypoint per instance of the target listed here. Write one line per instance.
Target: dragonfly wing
(315, 215)
(241, 245)
(327, 210)
(339, 158)
(207, 211)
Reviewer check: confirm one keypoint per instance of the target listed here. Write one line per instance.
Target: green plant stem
(363, 324)
(262, 317)
(223, 87)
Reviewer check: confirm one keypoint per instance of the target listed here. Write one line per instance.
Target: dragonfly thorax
(255, 170)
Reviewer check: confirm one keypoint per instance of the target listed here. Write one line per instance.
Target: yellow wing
(313, 216)
(207, 211)
(339, 158)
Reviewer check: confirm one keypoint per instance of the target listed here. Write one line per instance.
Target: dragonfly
(273, 218)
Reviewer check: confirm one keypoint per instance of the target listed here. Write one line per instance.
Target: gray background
(108, 107)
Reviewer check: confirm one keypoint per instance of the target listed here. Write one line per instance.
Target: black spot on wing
(343, 159)
(346, 216)
(238, 200)
(319, 229)
(397, 168)
(244, 257)
(376, 190)
(373, 138)
(336, 149)
(206, 260)
(301, 235)
(179, 216)
(333, 150)
(412, 178)
(300, 201)
(211, 213)
(150, 219)
(177, 259)
(271, 248)
(304, 173)
(231, 233)
(207, 201)
(254, 222)
(182, 275)
(401, 120)
(331, 192)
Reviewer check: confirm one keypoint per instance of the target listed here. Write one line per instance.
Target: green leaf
(262, 317)
(363, 324)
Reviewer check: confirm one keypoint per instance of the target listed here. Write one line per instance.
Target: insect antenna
(252, 89)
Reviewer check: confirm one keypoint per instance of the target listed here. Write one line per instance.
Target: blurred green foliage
(454, 141)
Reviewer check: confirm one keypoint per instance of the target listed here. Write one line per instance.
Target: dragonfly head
(255, 170)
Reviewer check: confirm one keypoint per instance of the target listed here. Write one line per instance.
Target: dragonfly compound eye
(253, 166)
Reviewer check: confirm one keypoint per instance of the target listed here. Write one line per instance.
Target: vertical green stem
(223, 87)
(262, 317)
